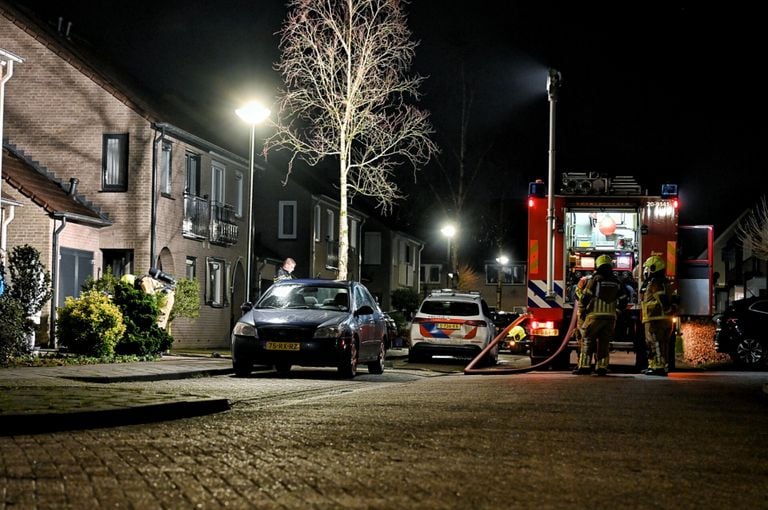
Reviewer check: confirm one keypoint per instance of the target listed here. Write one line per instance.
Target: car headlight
(328, 332)
(244, 329)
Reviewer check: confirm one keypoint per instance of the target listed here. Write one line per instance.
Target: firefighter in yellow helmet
(659, 304)
(598, 305)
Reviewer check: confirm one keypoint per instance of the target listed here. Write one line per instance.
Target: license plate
(546, 332)
(282, 346)
(448, 325)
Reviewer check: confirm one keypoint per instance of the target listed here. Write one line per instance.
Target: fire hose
(471, 370)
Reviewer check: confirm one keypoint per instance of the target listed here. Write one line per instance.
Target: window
(330, 224)
(286, 219)
(114, 162)
(372, 248)
(512, 274)
(318, 222)
(214, 282)
(165, 169)
(192, 186)
(239, 194)
(191, 269)
(353, 234)
(430, 273)
(217, 183)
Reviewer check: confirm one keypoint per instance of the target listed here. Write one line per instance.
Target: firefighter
(658, 305)
(599, 303)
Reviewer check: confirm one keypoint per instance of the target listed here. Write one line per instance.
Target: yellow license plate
(448, 325)
(546, 332)
(282, 346)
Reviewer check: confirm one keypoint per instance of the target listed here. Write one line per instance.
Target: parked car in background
(742, 332)
(452, 323)
(312, 323)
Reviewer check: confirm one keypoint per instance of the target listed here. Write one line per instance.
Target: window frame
(122, 177)
(215, 282)
(166, 169)
(195, 172)
(283, 205)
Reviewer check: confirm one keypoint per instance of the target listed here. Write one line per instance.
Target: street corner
(35, 410)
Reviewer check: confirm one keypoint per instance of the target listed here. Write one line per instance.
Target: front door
(75, 268)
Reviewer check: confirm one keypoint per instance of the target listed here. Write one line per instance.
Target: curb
(38, 423)
(170, 376)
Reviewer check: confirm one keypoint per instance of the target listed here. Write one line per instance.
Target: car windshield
(304, 296)
(456, 308)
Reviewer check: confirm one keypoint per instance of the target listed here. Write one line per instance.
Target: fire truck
(592, 215)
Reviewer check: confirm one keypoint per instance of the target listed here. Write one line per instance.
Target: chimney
(73, 186)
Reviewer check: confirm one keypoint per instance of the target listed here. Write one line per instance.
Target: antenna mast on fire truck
(553, 83)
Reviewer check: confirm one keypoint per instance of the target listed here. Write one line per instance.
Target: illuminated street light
(252, 113)
(449, 232)
(502, 261)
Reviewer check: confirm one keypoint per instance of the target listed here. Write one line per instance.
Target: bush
(140, 312)
(186, 300)
(30, 281)
(90, 325)
(406, 300)
(13, 329)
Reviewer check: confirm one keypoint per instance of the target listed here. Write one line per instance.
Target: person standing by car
(285, 272)
(598, 305)
(658, 306)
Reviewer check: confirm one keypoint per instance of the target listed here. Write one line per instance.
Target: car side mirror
(246, 307)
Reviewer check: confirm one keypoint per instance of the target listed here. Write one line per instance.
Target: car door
(370, 334)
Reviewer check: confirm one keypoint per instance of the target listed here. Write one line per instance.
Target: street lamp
(252, 113)
(502, 261)
(7, 60)
(449, 231)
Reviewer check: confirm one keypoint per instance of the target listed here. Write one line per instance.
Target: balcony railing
(224, 230)
(197, 216)
(209, 220)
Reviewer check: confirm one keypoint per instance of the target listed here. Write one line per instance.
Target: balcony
(197, 216)
(213, 221)
(224, 230)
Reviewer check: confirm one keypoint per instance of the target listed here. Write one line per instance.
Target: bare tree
(753, 232)
(346, 69)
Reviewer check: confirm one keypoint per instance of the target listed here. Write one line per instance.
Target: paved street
(415, 439)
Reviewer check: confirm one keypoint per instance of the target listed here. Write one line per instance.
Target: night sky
(668, 94)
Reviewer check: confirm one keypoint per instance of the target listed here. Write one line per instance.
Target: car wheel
(283, 368)
(749, 353)
(348, 365)
(377, 367)
(242, 367)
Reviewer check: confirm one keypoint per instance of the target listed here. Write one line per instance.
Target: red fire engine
(596, 215)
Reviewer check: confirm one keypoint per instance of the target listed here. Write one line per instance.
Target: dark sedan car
(312, 323)
(742, 332)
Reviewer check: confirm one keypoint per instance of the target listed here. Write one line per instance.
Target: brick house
(164, 197)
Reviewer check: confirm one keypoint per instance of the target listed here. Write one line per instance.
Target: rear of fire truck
(594, 215)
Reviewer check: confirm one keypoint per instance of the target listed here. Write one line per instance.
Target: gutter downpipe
(55, 280)
(6, 61)
(553, 83)
(360, 250)
(153, 205)
(6, 221)
(315, 237)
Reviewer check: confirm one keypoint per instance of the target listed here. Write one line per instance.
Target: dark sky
(665, 93)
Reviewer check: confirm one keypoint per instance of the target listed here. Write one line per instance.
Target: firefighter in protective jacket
(659, 304)
(600, 301)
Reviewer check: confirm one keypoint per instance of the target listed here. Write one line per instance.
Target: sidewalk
(49, 399)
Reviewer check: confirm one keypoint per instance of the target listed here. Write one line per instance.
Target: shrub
(186, 300)
(105, 284)
(140, 312)
(30, 281)
(406, 300)
(13, 329)
(90, 325)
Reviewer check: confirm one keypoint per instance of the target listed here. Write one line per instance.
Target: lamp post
(501, 260)
(7, 60)
(449, 231)
(252, 113)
